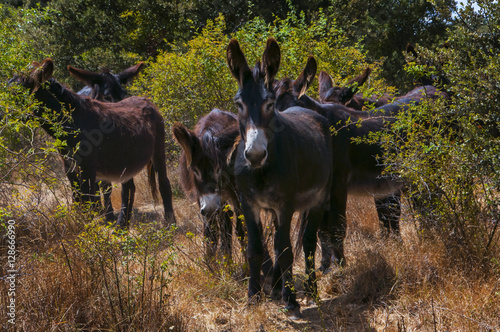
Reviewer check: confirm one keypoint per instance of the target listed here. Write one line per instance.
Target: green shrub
(449, 151)
(193, 78)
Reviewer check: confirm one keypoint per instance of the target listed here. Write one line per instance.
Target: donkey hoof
(309, 300)
(276, 295)
(325, 268)
(120, 227)
(254, 299)
(110, 217)
(294, 314)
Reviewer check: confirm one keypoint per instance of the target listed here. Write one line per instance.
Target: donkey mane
(84, 108)
(62, 97)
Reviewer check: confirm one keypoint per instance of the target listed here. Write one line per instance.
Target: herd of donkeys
(283, 152)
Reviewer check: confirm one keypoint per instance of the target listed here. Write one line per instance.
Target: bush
(449, 150)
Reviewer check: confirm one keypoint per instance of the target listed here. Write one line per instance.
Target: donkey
(283, 164)
(107, 141)
(105, 87)
(356, 169)
(207, 175)
(348, 96)
(385, 105)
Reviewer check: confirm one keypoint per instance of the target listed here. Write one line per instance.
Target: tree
(387, 26)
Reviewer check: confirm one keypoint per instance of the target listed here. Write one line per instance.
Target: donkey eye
(269, 107)
(241, 107)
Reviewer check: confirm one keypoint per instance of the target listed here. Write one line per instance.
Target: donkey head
(255, 98)
(199, 174)
(106, 86)
(328, 93)
(39, 74)
(288, 92)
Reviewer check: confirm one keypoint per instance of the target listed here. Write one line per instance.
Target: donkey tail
(152, 181)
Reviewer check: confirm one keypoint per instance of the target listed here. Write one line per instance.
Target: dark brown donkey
(207, 176)
(356, 169)
(106, 87)
(108, 141)
(283, 164)
(347, 95)
(385, 105)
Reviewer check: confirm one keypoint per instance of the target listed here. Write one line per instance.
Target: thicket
(448, 151)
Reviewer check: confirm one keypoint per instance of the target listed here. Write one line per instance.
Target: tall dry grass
(76, 275)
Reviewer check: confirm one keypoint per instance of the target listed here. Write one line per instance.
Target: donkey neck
(308, 102)
(57, 98)
(335, 113)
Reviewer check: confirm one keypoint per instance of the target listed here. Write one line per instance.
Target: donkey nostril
(256, 157)
(264, 156)
(203, 212)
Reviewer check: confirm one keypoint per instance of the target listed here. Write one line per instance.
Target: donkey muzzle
(209, 204)
(255, 147)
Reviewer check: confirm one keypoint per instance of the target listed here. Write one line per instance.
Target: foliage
(448, 151)
(387, 26)
(134, 271)
(22, 158)
(189, 81)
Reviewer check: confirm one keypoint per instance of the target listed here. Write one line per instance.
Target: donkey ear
(237, 62)
(325, 84)
(88, 77)
(271, 60)
(306, 77)
(187, 140)
(44, 71)
(348, 92)
(361, 79)
(128, 74)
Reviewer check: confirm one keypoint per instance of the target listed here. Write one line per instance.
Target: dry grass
(403, 283)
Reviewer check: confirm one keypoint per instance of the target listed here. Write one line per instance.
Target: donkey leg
(309, 240)
(74, 181)
(389, 211)
(240, 229)
(334, 227)
(284, 256)
(324, 237)
(74, 178)
(128, 191)
(106, 188)
(226, 235)
(164, 185)
(326, 250)
(131, 199)
(254, 249)
(89, 187)
(210, 232)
